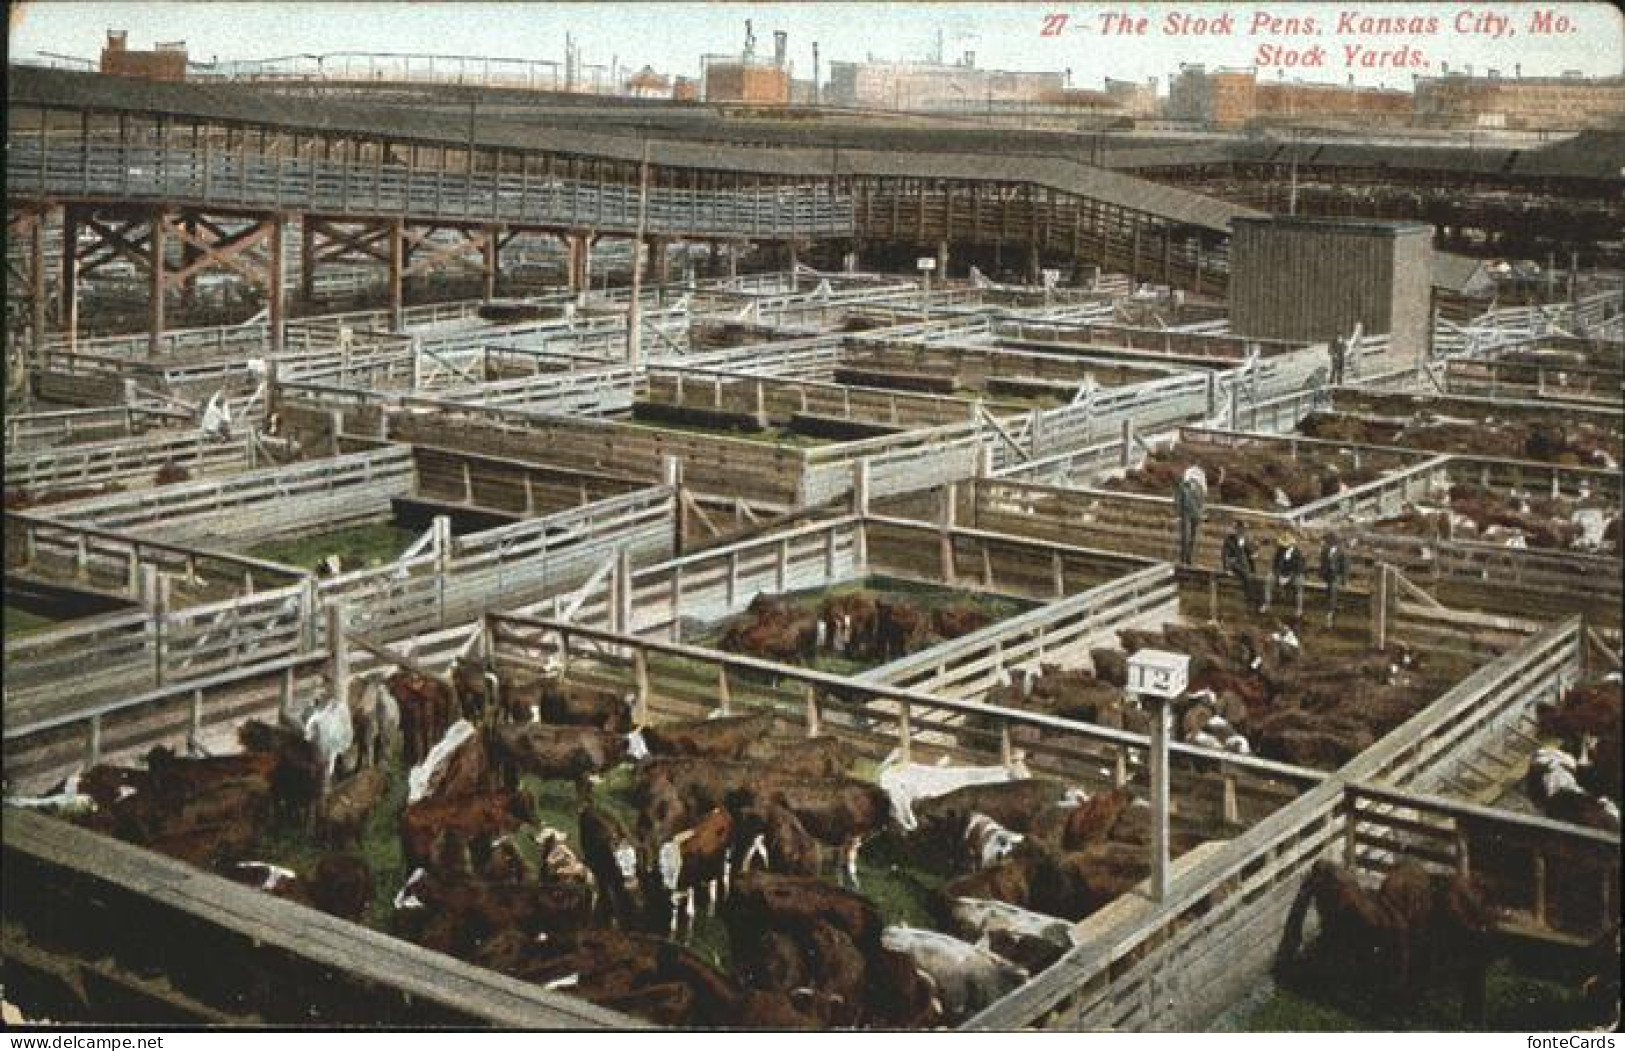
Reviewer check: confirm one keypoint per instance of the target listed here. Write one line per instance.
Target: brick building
(741, 82)
(931, 85)
(1547, 103)
(166, 62)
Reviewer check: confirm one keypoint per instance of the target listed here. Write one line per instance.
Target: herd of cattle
(1251, 691)
(1245, 477)
(858, 626)
(1575, 774)
(1566, 443)
(760, 830)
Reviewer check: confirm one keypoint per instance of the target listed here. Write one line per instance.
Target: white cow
(907, 782)
(982, 917)
(420, 781)
(967, 977)
(331, 730)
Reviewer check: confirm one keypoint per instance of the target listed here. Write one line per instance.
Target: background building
(932, 85)
(1233, 97)
(1555, 103)
(167, 62)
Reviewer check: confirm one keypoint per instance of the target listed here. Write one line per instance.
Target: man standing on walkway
(1190, 497)
(1237, 558)
(1287, 569)
(1334, 572)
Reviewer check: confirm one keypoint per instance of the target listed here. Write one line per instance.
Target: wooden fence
(330, 493)
(1221, 926)
(36, 431)
(129, 461)
(513, 565)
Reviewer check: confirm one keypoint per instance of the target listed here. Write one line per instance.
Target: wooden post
(640, 676)
(93, 741)
(1127, 455)
(1379, 607)
(949, 500)
(860, 487)
(1058, 571)
(1231, 807)
(1160, 726)
(671, 468)
(1351, 827)
(336, 426)
(905, 733)
(1539, 904)
(155, 267)
(725, 698)
(1007, 747)
(338, 652)
(814, 721)
(397, 264)
(276, 292)
(36, 278)
(70, 277)
(623, 591)
(160, 610)
(196, 721)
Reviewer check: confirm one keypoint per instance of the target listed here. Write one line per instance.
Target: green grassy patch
(1522, 993)
(374, 544)
(18, 621)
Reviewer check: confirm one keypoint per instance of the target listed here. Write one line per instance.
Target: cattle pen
(660, 599)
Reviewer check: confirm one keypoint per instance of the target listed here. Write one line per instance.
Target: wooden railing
(1222, 923)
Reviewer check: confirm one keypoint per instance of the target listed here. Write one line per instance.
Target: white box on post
(1158, 673)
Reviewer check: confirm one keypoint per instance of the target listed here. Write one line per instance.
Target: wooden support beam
(276, 294)
(155, 247)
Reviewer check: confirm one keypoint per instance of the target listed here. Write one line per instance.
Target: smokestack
(970, 60)
(781, 47)
(816, 89)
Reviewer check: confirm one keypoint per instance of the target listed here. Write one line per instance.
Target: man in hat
(1287, 569)
(1334, 572)
(1237, 558)
(1190, 497)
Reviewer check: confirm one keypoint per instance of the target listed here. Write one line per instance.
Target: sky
(1328, 43)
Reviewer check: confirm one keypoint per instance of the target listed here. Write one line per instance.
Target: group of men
(1287, 569)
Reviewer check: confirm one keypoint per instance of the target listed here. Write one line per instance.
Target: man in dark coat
(1286, 570)
(1237, 558)
(1334, 572)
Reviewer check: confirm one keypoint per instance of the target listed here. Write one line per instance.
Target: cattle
(565, 753)
(572, 704)
(427, 709)
(377, 722)
(1029, 939)
(724, 738)
(769, 901)
(694, 858)
(457, 915)
(475, 687)
(262, 875)
(459, 764)
(958, 619)
(967, 977)
(343, 813)
(1552, 785)
(170, 473)
(802, 756)
(986, 842)
(1012, 803)
(773, 629)
(840, 812)
(849, 622)
(296, 778)
(331, 732)
(341, 885)
(1393, 938)
(773, 836)
(611, 855)
(485, 814)
(1093, 819)
(905, 782)
(555, 861)
(900, 629)
(651, 977)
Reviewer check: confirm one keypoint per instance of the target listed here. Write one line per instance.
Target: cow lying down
(967, 977)
(1029, 939)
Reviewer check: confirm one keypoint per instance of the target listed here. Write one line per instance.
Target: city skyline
(1014, 36)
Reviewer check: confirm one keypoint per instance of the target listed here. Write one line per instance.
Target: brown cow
(802, 756)
(724, 738)
(344, 812)
(341, 885)
(769, 901)
(573, 704)
(839, 811)
(486, 814)
(564, 753)
(773, 837)
(296, 781)
(696, 857)
(427, 709)
(457, 915)
(900, 629)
